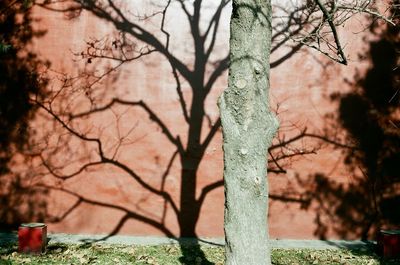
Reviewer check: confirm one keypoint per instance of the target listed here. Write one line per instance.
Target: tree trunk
(248, 128)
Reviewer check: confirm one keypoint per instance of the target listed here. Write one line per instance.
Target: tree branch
(129, 213)
(152, 115)
(145, 185)
(211, 134)
(367, 11)
(207, 189)
(71, 130)
(342, 59)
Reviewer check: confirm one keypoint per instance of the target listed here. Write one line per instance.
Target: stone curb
(10, 238)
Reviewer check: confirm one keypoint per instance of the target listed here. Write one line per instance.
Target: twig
(329, 18)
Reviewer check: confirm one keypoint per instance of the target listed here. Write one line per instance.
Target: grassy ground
(165, 255)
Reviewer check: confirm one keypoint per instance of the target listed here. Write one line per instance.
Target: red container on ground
(389, 243)
(32, 238)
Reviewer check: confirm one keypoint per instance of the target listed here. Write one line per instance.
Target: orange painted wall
(301, 87)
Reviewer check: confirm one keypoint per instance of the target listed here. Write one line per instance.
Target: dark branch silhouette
(76, 101)
(21, 78)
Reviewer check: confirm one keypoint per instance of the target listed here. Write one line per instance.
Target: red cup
(32, 238)
(389, 243)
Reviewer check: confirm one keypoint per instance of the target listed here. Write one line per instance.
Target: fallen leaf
(27, 260)
(83, 260)
(58, 250)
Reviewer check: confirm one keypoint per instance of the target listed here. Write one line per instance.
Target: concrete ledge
(321, 244)
(11, 238)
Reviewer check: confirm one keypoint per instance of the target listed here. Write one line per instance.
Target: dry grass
(172, 254)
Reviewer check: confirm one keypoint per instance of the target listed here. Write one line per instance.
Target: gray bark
(248, 128)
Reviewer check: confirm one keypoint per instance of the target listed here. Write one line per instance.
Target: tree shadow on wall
(369, 114)
(198, 69)
(133, 42)
(19, 82)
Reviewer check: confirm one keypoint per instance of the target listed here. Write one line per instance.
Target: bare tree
(248, 123)
(73, 92)
(78, 99)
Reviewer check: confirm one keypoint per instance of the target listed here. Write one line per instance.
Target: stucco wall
(112, 197)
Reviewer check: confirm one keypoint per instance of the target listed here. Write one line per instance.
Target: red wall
(106, 198)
